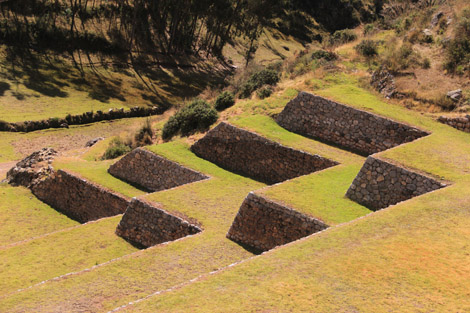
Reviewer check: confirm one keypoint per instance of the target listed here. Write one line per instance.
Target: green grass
(61, 253)
(22, 216)
(321, 195)
(409, 258)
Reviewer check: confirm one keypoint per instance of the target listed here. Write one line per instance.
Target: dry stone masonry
(152, 172)
(249, 154)
(350, 128)
(263, 224)
(460, 123)
(380, 184)
(146, 225)
(77, 198)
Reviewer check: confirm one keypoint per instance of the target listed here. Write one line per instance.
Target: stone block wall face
(152, 172)
(146, 225)
(263, 224)
(380, 184)
(251, 155)
(350, 128)
(77, 198)
(460, 123)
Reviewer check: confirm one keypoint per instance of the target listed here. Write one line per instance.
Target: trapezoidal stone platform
(246, 153)
(78, 198)
(146, 225)
(263, 224)
(380, 184)
(152, 172)
(352, 129)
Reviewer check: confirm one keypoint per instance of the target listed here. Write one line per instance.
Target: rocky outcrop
(380, 184)
(346, 127)
(78, 198)
(32, 168)
(152, 172)
(460, 123)
(384, 82)
(263, 224)
(249, 154)
(146, 225)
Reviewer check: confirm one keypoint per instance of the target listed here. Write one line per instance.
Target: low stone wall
(460, 123)
(145, 225)
(152, 172)
(263, 224)
(77, 198)
(85, 118)
(380, 184)
(346, 127)
(249, 154)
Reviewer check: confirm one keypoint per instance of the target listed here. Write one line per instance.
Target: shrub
(324, 55)
(224, 100)
(426, 63)
(264, 92)
(198, 115)
(458, 49)
(258, 80)
(343, 36)
(368, 29)
(144, 135)
(115, 149)
(367, 48)
(445, 103)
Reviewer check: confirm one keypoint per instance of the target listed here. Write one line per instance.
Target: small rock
(93, 142)
(455, 95)
(436, 18)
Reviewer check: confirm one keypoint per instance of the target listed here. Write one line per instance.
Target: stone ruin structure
(461, 123)
(152, 172)
(263, 224)
(352, 129)
(246, 153)
(380, 184)
(145, 224)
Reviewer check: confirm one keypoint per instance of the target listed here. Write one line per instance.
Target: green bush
(198, 115)
(115, 149)
(367, 48)
(343, 36)
(458, 50)
(224, 100)
(258, 80)
(426, 63)
(264, 92)
(324, 55)
(144, 135)
(368, 29)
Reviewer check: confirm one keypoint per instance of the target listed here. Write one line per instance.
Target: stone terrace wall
(380, 184)
(460, 123)
(77, 198)
(249, 154)
(146, 225)
(263, 224)
(152, 172)
(350, 128)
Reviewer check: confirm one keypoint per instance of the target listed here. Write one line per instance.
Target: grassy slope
(412, 256)
(22, 216)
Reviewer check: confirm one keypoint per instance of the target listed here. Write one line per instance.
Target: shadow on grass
(3, 88)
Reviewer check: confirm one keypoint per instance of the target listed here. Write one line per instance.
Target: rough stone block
(78, 198)
(146, 225)
(352, 129)
(251, 155)
(380, 184)
(263, 224)
(152, 172)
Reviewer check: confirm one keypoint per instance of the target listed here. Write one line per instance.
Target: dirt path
(4, 168)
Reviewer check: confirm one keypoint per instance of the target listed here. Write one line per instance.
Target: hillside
(313, 173)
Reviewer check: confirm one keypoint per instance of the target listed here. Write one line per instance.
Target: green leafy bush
(367, 48)
(458, 50)
(343, 36)
(324, 55)
(258, 80)
(198, 115)
(224, 100)
(115, 149)
(264, 92)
